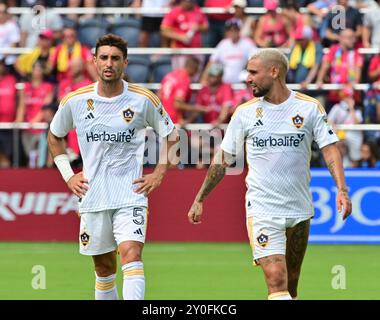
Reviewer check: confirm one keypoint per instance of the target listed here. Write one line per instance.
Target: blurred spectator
(360, 4)
(343, 63)
(45, 158)
(247, 22)
(305, 58)
(296, 19)
(371, 26)
(369, 156)
(242, 96)
(151, 22)
(37, 20)
(232, 52)
(77, 80)
(71, 49)
(33, 97)
(372, 95)
(319, 10)
(79, 3)
(9, 34)
(272, 29)
(183, 26)
(215, 96)
(345, 112)
(7, 113)
(40, 53)
(352, 19)
(175, 93)
(216, 21)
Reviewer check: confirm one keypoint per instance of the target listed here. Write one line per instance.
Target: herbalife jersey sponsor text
(120, 136)
(285, 141)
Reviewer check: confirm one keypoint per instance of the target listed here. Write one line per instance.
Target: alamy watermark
(338, 21)
(39, 277)
(39, 18)
(339, 279)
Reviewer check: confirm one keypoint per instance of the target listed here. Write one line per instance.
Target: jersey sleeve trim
(246, 104)
(305, 97)
(80, 91)
(145, 92)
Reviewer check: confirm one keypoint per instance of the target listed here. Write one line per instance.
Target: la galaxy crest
(84, 238)
(263, 239)
(128, 115)
(298, 121)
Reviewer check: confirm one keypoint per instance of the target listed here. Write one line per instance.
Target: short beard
(261, 92)
(111, 81)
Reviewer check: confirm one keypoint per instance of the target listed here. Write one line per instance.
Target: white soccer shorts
(267, 235)
(103, 231)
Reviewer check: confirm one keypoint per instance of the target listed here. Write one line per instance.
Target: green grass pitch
(189, 271)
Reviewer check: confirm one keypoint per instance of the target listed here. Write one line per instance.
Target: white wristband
(63, 164)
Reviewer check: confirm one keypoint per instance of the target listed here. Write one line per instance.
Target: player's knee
(130, 254)
(104, 269)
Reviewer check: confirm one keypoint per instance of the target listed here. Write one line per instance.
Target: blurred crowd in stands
(60, 61)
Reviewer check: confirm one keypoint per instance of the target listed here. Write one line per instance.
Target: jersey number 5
(138, 213)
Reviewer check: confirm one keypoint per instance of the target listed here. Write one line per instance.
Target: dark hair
(192, 61)
(372, 148)
(113, 41)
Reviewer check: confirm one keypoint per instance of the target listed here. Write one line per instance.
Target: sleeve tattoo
(215, 174)
(331, 167)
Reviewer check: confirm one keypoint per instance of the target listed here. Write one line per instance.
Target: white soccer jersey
(278, 142)
(111, 136)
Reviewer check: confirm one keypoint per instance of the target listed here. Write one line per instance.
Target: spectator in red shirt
(33, 97)
(175, 93)
(272, 29)
(7, 113)
(65, 53)
(242, 95)
(77, 80)
(215, 96)
(183, 26)
(343, 63)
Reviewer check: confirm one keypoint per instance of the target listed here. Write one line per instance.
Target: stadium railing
(17, 127)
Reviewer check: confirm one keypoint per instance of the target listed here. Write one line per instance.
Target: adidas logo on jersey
(90, 116)
(258, 123)
(138, 231)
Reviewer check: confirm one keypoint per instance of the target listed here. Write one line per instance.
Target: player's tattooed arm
(331, 166)
(334, 163)
(215, 173)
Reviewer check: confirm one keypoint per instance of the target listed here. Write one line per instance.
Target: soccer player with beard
(276, 128)
(110, 117)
